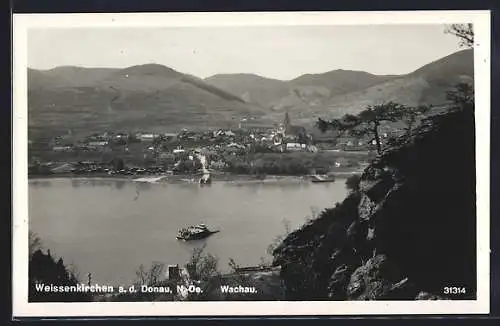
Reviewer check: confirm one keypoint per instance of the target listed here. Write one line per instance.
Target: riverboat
(318, 178)
(196, 232)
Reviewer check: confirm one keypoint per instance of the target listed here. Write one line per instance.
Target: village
(283, 150)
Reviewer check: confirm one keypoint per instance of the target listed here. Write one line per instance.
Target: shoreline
(185, 178)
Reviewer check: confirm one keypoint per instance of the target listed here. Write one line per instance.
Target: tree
(279, 239)
(118, 164)
(352, 182)
(44, 269)
(367, 121)
(464, 32)
(203, 270)
(150, 277)
(462, 96)
(35, 243)
(411, 115)
(186, 165)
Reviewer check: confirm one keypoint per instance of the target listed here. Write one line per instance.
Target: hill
(281, 95)
(151, 96)
(426, 85)
(157, 97)
(252, 88)
(337, 92)
(341, 81)
(386, 240)
(66, 76)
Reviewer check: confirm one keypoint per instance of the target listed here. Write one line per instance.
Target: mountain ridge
(157, 96)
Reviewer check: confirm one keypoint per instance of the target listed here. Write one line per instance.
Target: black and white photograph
(251, 163)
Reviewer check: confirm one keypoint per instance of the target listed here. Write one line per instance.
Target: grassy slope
(149, 97)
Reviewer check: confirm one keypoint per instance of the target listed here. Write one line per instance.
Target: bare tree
(203, 270)
(464, 32)
(153, 276)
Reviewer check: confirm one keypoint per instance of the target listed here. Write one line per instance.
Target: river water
(108, 227)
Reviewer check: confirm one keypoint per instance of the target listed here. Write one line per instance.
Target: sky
(274, 52)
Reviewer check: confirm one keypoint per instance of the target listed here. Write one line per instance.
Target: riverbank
(190, 178)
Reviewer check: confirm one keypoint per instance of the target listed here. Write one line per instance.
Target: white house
(147, 137)
(294, 146)
(98, 143)
(312, 148)
(240, 146)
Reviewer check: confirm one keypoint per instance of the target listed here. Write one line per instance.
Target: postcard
(251, 164)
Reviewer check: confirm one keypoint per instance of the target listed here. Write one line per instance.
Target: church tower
(286, 123)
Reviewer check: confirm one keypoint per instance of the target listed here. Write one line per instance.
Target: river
(108, 227)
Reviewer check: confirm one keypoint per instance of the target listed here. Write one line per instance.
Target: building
(169, 136)
(99, 143)
(236, 145)
(295, 147)
(291, 132)
(147, 137)
(61, 148)
(178, 150)
(173, 272)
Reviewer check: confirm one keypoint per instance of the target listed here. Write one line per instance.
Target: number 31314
(454, 290)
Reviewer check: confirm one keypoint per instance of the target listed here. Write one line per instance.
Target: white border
(22, 22)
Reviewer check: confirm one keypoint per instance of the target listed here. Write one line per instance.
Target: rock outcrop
(405, 234)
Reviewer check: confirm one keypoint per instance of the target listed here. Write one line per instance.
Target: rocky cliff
(405, 234)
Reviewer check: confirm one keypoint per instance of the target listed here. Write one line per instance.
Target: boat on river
(196, 232)
(318, 178)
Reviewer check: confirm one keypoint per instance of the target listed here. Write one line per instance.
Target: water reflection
(119, 184)
(75, 183)
(143, 185)
(40, 183)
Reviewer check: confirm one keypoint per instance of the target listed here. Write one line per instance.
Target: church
(293, 133)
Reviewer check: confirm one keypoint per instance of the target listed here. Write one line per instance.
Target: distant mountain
(301, 92)
(426, 85)
(340, 91)
(341, 81)
(66, 76)
(251, 88)
(151, 96)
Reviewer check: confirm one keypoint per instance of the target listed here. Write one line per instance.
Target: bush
(188, 166)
